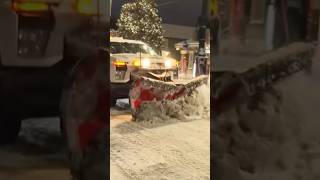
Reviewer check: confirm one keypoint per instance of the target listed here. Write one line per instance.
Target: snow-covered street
(161, 148)
(39, 153)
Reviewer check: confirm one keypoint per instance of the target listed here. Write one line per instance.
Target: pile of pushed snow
(247, 139)
(195, 106)
(273, 136)
(43, 132)
(264, 143)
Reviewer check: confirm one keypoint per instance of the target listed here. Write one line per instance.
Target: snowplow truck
(147, 89)
(52, 59)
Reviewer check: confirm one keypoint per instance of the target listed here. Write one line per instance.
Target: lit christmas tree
(140, 21)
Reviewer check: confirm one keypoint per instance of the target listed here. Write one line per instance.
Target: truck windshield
(124, 47)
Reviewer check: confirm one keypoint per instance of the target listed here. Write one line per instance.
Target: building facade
(261, 21)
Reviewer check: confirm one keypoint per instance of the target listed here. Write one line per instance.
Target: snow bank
(195, 106)
(275, 135)
(44, 132)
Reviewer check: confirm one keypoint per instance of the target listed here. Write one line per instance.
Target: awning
(191, 45)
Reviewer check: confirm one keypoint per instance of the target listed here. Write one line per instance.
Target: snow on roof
(120, 39)
(190, 44)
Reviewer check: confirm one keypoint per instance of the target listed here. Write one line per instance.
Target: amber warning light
(30, 6)
(87, 7)
(119, 63)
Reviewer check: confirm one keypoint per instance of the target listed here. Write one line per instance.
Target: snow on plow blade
(146, 90)
(232, 86)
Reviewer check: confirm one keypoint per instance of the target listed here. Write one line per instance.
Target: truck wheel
(113, 102)
(9, 129)
(83, 114)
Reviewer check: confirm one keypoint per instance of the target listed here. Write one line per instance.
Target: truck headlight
(168, 63)
(146, 63)
(136, 63)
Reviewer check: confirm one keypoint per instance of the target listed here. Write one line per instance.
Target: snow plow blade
(232, 87)
(146, 90)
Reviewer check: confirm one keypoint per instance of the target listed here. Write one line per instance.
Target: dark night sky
(180, 12)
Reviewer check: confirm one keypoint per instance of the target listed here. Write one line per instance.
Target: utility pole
(214, 27)
(199, 67)
(110, 7)
(203, 23)
(270, 25)
(317, 5)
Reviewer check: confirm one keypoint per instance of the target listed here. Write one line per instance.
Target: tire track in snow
(176, 151)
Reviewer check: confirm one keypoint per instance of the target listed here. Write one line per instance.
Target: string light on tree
(139, 20)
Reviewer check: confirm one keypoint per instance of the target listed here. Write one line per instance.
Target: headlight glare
(168, 63)
(145, 63)
(119, 63)
(136, 63)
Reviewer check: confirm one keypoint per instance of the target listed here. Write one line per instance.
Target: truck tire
(9, 128)
(113, 102)
(83, 118)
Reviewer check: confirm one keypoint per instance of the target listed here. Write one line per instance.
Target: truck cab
(36, 57)
(129, 57)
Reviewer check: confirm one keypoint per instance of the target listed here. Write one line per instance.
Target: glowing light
(146, 63)
(168, 63)
(86, 7)
(30, 6)
(119, 63)
(136, 63)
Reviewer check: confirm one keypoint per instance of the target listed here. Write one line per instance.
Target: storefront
(188, 51)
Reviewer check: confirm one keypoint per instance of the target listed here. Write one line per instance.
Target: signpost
(200, 60)
(270, 25)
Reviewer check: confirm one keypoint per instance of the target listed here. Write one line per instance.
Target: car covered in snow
(132, 56)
